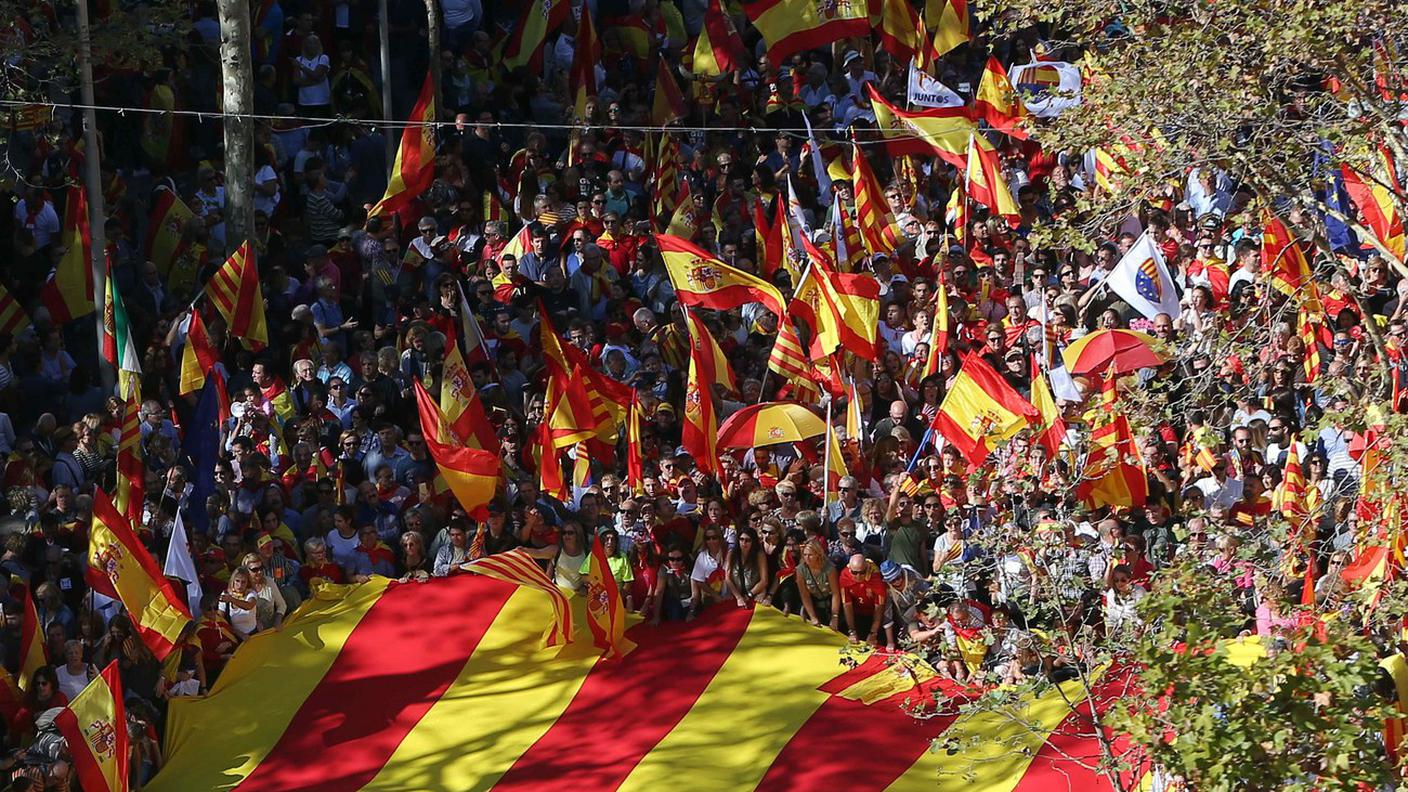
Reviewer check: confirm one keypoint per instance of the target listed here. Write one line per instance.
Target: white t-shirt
(704, 566)
(263, 203)
(318, 93)
(71, 684)
(343, 551)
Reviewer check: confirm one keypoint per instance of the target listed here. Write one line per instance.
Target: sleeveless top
(818, 583)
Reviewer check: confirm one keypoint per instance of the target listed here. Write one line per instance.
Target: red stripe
(1069, 757)
(883, 739)
(625, 708)
(820, 36)
(388, 674)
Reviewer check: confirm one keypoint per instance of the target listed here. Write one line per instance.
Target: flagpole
(826, 460)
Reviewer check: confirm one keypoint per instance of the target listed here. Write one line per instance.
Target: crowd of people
(324, 474)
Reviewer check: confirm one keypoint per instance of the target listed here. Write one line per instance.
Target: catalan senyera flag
(699, 432)
(951, 22)
(235, 293)
(95, 726)
(521, 569)
(1109, 166)
(663, 158)
(68, 294)
(1373, 192)
(31, 634)
(13, 319)
(524, 46)
(166, 239)
(943, 132)
(130, 496)
(719, 49)
(465, 421)
(791, 26)
(491, 707)
(1283, 259)
(1309, 329)
(606, 613)
(1110, 478)
(414, 170)
(702, 281)
(998, 104)
(119, 346)
(938, 328)
(668, 104)
(873, 217)
(1050, 426)
(121, 568)
(1292, 489)
(471, 473)
(586, 54)
(986, 184)
(789, 360)
(635, 459)
(981, 410)
(198, 356)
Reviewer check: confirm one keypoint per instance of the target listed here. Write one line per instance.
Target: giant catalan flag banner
(447, 686)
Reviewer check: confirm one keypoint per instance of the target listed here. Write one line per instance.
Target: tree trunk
(432, 31)
(238, 77)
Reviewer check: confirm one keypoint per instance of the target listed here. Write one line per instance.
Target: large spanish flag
(31, 646)
(95, 726)
(447, 686)
(700, 280)
(68, 294)
(719, 49)
(524, 46)
(981, 410)
(472, 473)
(121, 568)
(235, 293)
(791, 26)
(166, 230)
(415, 159)
(842, 310)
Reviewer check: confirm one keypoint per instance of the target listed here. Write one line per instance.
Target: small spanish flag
(998, 104)
(606, 615)
(120, 567)
(198, 357)
(950, 21)
(471, 473)
(31, 634)
(415, 159)
(700, 280)
(95, 726)
(981, 410)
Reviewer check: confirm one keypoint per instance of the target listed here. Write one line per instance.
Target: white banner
(926, 91)
(1047, 88)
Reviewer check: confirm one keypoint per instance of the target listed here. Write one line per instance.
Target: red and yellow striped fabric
(68, 294)
(998, 104)
(877, 225)
(702, 281)
(668, 104)
(788, 360)
(166, 231)
(446, 686)
(13, 319)
(791, 26)
(31, 634)
(950, 21)
(1374, 194)
(235, 293)
(472, 474)
(1283, 258)
(941, 132)
(95, 726)
(131, 494)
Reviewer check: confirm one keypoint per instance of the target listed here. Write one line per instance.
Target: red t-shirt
(864, 594)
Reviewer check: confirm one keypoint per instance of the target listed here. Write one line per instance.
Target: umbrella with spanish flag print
(770, 423)
(1124, 350)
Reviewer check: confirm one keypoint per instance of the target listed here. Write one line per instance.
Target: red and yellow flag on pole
(707, 365)
(719, 49)
(1309, 329)
(702, 281)
(581, 80)
(415, 159)
(792, 26)
(131, 493)
(981, 410)
(31, 634)
(13, 318)
(1283, 259)
(235, 293)
(462, 408)
(986, 184)
(790, 361)
(635, 461)
(938, 328)
(668, 104)
(943, 132)
(998, 104)
(95, 726)
(1051, 426)
(525, 44)
(951, 22)
(471, 473)
(902, 33)
(842, 310)
(1293, 489)
(121, 568)
(1109, 478)
(198, 357)
(876, 223)
(1374, 193)
(68, 294)
(606, 614)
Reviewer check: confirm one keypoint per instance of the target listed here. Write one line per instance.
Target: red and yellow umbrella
(1124, 350)
(769, 423)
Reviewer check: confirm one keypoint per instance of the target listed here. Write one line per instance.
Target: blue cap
(890, 571)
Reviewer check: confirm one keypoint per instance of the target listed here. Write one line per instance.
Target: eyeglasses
(676, 559)
(766, 533)
(848, 534)
(256, 569)
(600, 201)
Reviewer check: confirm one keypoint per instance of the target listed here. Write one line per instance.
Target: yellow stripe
(286, 665)
(509, 698)
(773, 676)
(997, 747)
